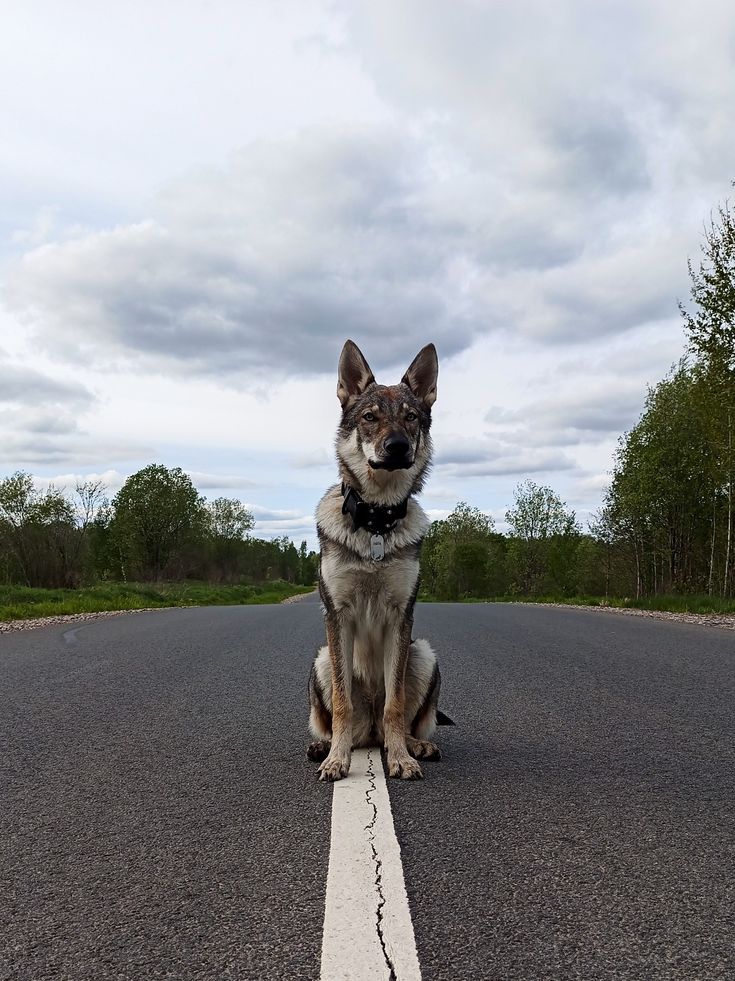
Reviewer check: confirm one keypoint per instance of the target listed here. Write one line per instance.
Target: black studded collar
(375, 518)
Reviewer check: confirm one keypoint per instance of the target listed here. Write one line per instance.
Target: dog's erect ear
(354, 374)
(421, 376)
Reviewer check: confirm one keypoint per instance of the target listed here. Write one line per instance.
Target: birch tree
(711, 330)
(545, 535)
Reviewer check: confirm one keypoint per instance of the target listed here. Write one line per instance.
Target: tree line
(544, 552)
(156, 527)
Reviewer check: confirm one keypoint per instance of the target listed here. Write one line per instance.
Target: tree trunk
(710, 584)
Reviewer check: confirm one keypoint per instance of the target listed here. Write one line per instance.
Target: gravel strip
(726, 620)
(32, 622)
(297, 598)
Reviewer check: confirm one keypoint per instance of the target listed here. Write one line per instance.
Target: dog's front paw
(336, 766)
(404, 767)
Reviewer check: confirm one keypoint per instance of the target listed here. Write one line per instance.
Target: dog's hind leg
(320, 695)
(320, 714)
(320, 706)
(423, 682)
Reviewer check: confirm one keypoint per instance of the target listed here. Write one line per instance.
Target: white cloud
(237, 273)
(314, 459)
(209, 481)
(112, 480)
(270, 523)
(512, 464)
(24, 385)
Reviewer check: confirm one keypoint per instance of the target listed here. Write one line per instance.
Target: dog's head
(385, 428)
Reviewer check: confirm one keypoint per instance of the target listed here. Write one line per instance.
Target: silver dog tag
(377, 547)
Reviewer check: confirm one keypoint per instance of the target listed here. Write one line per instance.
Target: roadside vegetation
(22, 602)
(546, 557)
(156, 543)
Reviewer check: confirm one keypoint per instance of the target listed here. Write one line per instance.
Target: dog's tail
(443, 720)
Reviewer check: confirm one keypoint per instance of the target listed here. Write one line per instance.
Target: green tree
(157, 514)
(457, 554)
(711, 326)
(662, 484)
(229, 519)
(308, 565)
(228, 526)
(711, 330)
(289, 566)
(544, 538)
(18, 511)
(44, 535)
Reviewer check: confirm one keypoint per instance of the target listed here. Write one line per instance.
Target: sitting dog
(372, 684)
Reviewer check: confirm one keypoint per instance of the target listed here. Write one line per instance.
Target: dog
(373, 684)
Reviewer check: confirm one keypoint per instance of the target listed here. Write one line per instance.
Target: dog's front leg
(340, 638)
(397, 643)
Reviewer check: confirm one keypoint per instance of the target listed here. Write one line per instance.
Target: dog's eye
(411, 416)
(369, 417)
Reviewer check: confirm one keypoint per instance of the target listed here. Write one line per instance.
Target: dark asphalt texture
(582, 822)
(159, 818)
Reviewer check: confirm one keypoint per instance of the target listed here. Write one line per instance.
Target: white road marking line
(368, 933)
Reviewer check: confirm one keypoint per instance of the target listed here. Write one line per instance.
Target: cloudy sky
(202, 200)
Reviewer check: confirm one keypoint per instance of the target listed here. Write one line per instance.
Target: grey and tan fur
(372, 684)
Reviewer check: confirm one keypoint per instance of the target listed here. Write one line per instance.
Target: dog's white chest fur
(371, 599)
(369, 589)
(370, 594)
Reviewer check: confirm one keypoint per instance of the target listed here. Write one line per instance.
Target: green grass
(22, 602)
(681, 604)
(669, 604)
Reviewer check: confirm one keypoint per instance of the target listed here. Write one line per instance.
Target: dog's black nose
(396, 445)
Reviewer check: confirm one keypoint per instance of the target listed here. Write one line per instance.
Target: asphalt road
(158, 818)
(582, 823)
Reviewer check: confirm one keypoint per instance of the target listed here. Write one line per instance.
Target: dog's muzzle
(398, 454)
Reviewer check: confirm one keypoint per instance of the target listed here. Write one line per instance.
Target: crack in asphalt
(378, 867)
